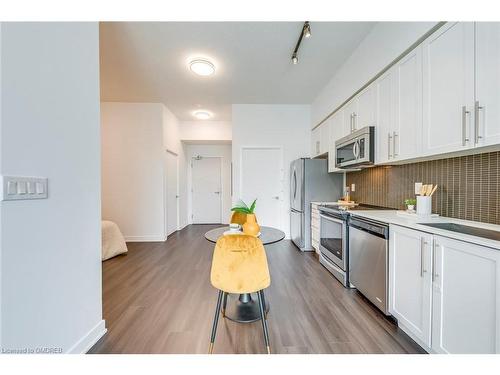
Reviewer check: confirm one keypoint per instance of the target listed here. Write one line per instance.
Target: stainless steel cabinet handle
(465, 112)
(354, 121)
(389, 137)
(422, 244)
(351, 122)
(477, 108)
(317, 147)
(394, 135)
(435, 245)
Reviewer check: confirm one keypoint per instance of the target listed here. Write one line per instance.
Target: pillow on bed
(113, 242)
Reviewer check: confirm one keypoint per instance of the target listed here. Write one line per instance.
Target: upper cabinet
(399, 110)
(442, 97)
(337, 131)
(487, 103)
(320, 139)
(448, 88)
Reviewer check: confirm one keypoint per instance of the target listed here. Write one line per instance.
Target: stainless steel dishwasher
(369, 259)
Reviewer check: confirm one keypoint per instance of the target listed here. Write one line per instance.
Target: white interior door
(262, 179)
(172, 192)
(206, 190)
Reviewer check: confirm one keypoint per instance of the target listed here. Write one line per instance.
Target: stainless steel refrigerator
(310, 182)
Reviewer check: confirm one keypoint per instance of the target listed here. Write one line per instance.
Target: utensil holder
(424, 205)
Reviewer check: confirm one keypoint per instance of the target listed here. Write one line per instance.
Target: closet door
(448, 88)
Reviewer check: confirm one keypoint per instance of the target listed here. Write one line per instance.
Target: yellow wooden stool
(239, 265)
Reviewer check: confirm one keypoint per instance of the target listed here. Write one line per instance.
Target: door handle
(477, 108)
(216, 192)
(355, 149)
(465, 112)
(277, 197)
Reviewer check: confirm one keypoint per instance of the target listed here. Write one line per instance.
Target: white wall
(205, 131)
(381, 46)
(282, 125)
(51, 248)
(132, 169)
(224, 151)
(172, 130)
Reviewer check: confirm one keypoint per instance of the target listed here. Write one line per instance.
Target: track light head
(295, 59)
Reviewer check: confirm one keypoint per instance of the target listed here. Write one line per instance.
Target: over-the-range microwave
(356, 149)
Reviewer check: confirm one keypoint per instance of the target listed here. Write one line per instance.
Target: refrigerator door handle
(294, 184)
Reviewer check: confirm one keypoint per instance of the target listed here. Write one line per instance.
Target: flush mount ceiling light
(202, 115)
(304, 33)
(202, 67)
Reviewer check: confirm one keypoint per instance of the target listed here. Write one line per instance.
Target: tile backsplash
(468, 186)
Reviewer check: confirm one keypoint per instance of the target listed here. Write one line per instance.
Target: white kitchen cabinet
(448, 88)
(315, 142)
(487, 107)
(336, 132)
(367, 105)
(466, 298)
(324, 141)
(385, 117)
(407, 129)
(410, 284)
(350, 110)
(320, 140)
(315, 227)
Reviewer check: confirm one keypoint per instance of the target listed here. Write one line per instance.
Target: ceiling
(148, 62)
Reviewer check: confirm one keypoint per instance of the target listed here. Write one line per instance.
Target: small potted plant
(410, 204)
(250, 226)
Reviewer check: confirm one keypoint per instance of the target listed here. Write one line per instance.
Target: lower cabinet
(410, 287)
(445, 293)
(465, 297)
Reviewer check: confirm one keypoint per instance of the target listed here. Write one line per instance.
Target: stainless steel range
(334, 239)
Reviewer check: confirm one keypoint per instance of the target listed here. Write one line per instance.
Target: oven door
(332, 243)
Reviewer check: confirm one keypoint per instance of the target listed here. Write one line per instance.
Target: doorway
(261, 178)
(206, 190)
(172, 192)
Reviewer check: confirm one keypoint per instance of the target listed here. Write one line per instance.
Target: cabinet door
(324, 141)
(407, 131)
(336, 132)
(315, 142)
(448, 91)
(487, 128)
(367, 104)
(385, 117)
(350, 110)
(410, 288)
(466, 298)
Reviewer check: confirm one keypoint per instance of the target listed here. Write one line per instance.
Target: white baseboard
(159, 238)
(86, 342)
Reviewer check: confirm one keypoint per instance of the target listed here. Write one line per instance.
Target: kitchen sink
(465, 229)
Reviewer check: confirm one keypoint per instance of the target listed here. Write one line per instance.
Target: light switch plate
(21, 188)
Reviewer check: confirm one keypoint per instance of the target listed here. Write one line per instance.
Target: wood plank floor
(158, 299)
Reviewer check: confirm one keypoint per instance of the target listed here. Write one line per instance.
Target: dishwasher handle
(376, 229)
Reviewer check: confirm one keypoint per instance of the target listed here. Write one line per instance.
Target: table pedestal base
(245, 309)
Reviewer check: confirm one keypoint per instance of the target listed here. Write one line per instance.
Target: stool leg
(224, 303)
(264, 304)
(263, 320)
(216, 320)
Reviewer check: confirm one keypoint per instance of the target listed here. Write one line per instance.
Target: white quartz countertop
(392, 217)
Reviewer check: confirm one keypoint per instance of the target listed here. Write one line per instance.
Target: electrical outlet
(418, 186)
(353, 187)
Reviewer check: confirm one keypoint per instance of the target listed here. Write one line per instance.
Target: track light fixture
(305, 32)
